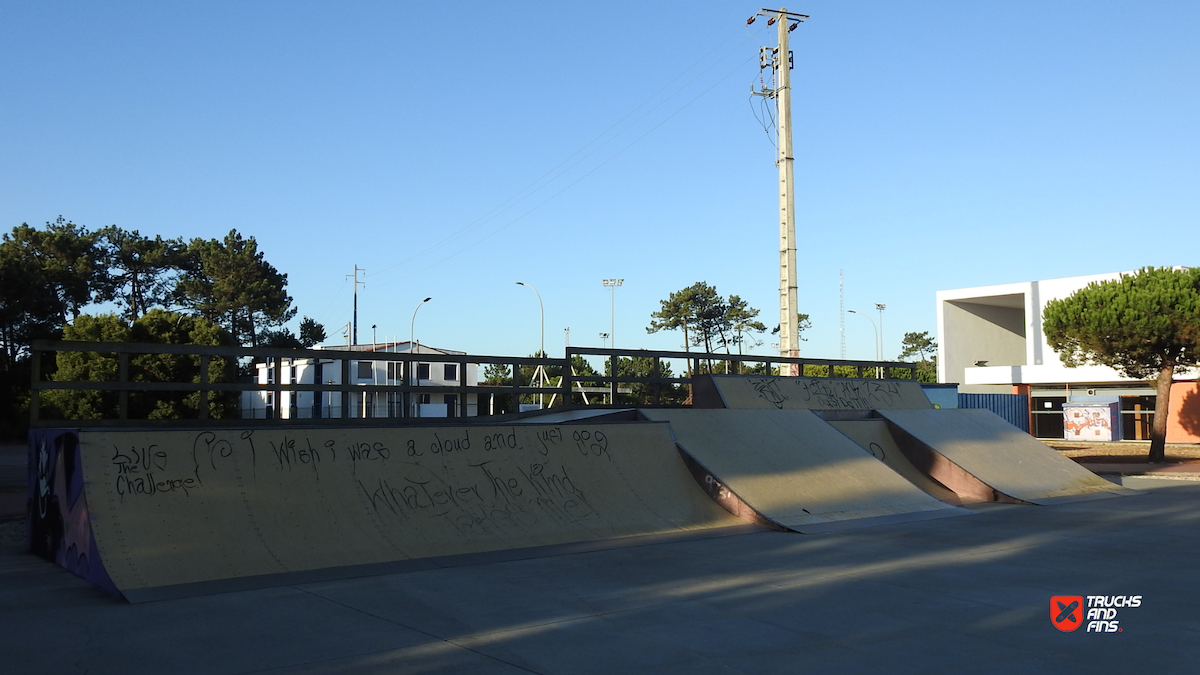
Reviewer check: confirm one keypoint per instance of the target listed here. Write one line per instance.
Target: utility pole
(779, 60)
(354, 332)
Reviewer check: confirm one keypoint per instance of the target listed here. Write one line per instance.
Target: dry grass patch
(1131, 452)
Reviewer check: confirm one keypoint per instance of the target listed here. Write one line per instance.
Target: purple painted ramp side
(59, 526)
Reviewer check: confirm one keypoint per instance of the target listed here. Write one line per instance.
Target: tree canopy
(229, 282)
(141, 272)
(706, 318)
(924, 347)
(157, 326)
(1143, 325)
(50, 275)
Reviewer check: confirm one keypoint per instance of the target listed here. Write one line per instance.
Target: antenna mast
(779, 60)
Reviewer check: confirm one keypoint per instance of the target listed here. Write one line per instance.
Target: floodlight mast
(779, 60)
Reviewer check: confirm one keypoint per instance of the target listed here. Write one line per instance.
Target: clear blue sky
(452, 149)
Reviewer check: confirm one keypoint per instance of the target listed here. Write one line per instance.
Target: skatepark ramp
(798, 471)
(947, 444)
(152, 514)
(805, 393)
(959, 456)
(156, 513)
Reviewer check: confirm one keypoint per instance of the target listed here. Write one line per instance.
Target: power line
(573, 183)
(559, 170)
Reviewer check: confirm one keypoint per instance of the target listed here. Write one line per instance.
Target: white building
(435, 372)
(990, 340)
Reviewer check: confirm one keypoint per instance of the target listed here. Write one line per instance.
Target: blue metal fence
(1012, 407)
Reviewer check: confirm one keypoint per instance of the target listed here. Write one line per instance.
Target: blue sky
(452, 149)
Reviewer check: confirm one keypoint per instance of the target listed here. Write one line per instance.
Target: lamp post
(880, 307)
(542, 313)
(873, 326)
(411, 344)
(611, 285)
(541, 371)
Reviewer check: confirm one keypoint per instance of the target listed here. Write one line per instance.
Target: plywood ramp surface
(873, 436)
(807, 393)
(179, 507)
(797, 470)
(1002, 456)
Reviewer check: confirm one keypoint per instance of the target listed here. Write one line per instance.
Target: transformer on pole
(779, 60)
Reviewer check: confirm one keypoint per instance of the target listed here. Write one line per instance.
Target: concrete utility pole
(779, 60)
(354, 331)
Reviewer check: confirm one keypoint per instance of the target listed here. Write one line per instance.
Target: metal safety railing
(140, 384)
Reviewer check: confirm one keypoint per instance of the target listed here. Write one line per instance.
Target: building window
(391, 370)
(423, 371)
(365, 370)
(423, 398)
(451, 372)
(451, 405)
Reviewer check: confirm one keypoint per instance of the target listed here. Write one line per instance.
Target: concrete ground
(968, 594)
(14, 458)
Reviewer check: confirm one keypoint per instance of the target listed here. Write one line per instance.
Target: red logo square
(1066, 612)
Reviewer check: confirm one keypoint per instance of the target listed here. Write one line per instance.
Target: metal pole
(876, 329)
(412, 364)
(611, 285)
(880, 306)
(541, 370)
(542, 312)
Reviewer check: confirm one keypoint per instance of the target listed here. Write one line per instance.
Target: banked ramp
(174, 508)
(797, 471)
(987, 448)
(806, 393)
(973, 454)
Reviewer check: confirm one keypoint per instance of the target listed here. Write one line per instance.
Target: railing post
(346, 387)
(566, 382)
(203, 402)
(123, 380)
(462, 388)
(276, 363)
(657, 385)
(613, 362)
(35, 378)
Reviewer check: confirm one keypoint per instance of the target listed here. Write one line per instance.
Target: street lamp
(413, 323)
(540, 375)
(868, 318)
(542, 312)
(412, 365)
(611, 285)
(604, 338)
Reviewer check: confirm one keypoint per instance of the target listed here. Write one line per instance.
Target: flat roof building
(990, 341)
